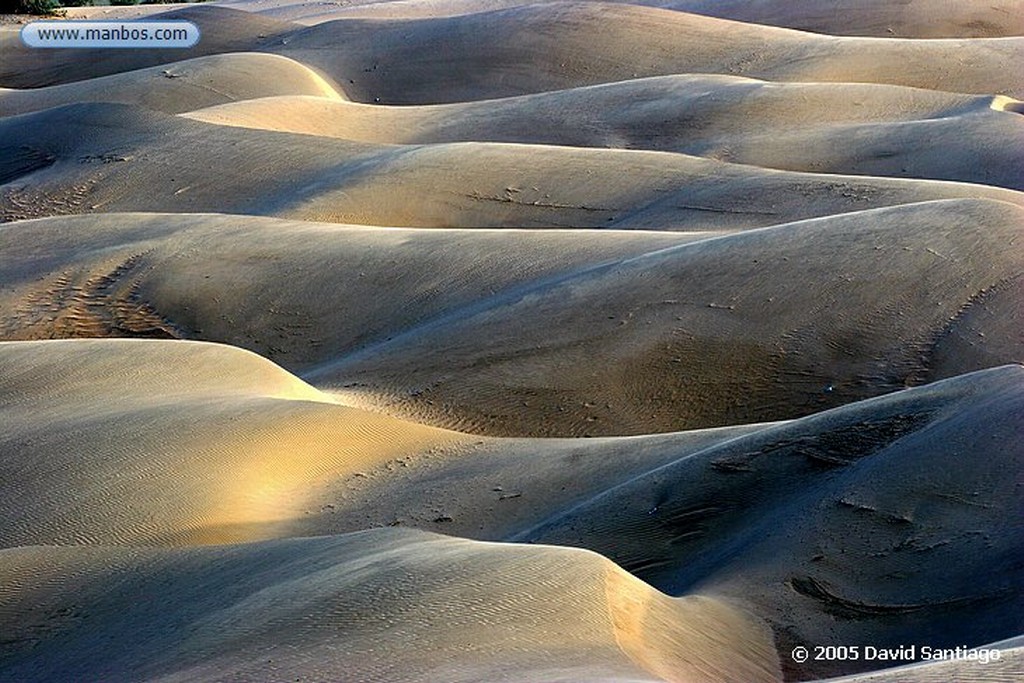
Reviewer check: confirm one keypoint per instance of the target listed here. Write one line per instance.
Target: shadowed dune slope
(554, 46)
(882, 523)
(698, 339)
(494, 488)
(182, 86)
(295, 292)
(110, 157)
(766, 324)
(814, 127)
(140, 442)
(497, 343)
(880, 18)
(866, 524)
(544, 47)
(381, 605)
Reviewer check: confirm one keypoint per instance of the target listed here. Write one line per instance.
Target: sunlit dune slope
(182, 86)
(111, 157)
(758, 325)
(699, 339)
(881, 523)
(124, 441)
(381, 605)
(494, 488)
(866, 524)
(814, 127)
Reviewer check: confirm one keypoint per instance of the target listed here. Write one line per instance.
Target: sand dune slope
(497, 343)
(814, 127)
(659, 112)
(558, 45)
(766, 324)
(881, 523)
(382, 605)
(881, 18)
(698, 339)
(544, 47)
(878, 523)
(183, 86)
(123, 441)
(297, 293)
(109, 157)
(222, 30)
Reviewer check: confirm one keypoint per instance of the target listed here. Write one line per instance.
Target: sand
(879, 18)
(188, 85)
(86, 158)
(492, 340)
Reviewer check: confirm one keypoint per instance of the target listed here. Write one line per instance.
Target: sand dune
(210, 444)
(879, 523)
(278, 310)
(123, 441)
(184, 86)
(113, 158)
(223, 30)
(830, 543)
(554, 46)
(661, 112)
(456, 609)
(881, 18)
(436, 342)
(811, 127)
(298, 293)
(766, 324)
(545, 47)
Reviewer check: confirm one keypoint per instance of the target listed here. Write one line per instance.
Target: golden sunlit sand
(489, 340)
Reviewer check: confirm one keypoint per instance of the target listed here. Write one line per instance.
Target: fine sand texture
(101, 157)
(534, 341)
(504, 339)
(879, 18)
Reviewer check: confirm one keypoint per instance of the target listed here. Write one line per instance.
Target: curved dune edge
(689, 321)
(92, 158)
(819, 128)
(866, 525)
(182, 86)
(631, 110)
(226, 432)
(173, 443)
(815, 477)
(549, 46)
(469, 343)
(595, 43)
(1003, 103)
(880, 18)
(443, 608)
